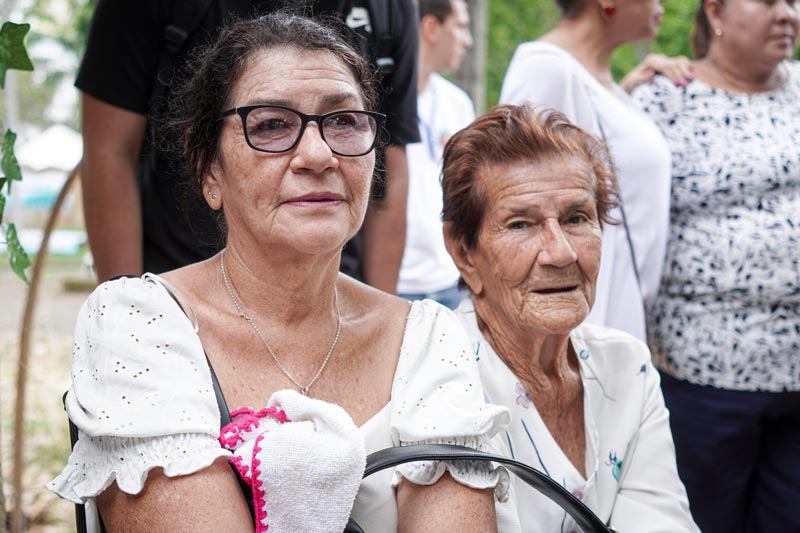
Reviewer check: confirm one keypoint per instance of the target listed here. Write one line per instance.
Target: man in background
(442, 108)
(136, 217)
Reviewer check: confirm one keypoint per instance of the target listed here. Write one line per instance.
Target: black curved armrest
(390, 457)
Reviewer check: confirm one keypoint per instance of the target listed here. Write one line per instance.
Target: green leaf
(9, 164)
(17, 257)
(2, 204)
(12, 49)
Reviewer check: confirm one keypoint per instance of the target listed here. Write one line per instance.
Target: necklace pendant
(304, 391)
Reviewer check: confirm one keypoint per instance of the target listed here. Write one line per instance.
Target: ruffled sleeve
(437, 398)
(141, 393)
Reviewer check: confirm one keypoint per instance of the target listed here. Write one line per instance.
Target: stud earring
(212, 195)
(608, 9)
(718, 31)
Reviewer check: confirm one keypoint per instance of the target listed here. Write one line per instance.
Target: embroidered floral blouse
(632, 478)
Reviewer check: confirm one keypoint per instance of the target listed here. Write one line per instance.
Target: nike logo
(358, 18)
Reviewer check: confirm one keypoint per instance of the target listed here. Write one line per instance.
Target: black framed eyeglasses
(275, 129)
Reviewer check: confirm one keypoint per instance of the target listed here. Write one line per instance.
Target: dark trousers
(738, 455)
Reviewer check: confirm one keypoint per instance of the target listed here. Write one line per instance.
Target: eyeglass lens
(276, 130)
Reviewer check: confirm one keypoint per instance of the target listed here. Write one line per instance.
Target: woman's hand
(678, 69)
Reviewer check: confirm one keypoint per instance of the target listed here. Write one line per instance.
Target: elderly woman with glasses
(526, 198)
(277, 131)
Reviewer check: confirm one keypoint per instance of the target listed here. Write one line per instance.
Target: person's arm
(678, 69)
(209, 500)
(439, 399)
(444, 506)
(112, 139)
(384, 229)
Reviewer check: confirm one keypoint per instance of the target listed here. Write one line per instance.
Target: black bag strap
(391, 457)
(186, 18)
(386, 30)
(624, 218)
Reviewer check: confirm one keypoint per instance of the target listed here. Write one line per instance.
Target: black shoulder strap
(381, 16)
(186, 18)
(624, 218)
(224, 412)
(385, 31)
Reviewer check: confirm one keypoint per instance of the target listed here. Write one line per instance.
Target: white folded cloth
(304, 460)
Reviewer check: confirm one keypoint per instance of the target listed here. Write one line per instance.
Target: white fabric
(544, 74)
(443, 110)
(132, 341)
(278, 448)
(632, 479)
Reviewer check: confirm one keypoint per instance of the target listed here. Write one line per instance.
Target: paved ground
(46, 439)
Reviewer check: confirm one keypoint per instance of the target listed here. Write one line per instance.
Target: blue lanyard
(428, 128)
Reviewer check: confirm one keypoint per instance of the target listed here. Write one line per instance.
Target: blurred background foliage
(512, 22)
(52, 15)
(55, 43)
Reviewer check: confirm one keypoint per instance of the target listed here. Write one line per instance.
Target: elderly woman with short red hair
(525, 199)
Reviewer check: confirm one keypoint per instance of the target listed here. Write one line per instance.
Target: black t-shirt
(120, 67)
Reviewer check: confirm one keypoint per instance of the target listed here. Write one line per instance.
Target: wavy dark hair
(201, 91)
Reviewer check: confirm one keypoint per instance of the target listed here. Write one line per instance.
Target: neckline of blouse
(617, 91)
(783, 88)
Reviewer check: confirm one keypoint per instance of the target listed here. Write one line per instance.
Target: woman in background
(725, 325)
(569, 69)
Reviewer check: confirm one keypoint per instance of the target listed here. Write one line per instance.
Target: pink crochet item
(243, 436)
(244, 419)
(303, 460)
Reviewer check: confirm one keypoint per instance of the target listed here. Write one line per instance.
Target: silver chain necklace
(303, 390)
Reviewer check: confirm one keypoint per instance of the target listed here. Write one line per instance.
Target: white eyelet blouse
(142, 398)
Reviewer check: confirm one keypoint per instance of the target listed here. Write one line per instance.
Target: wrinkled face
(758, 30)
(538, 251)
(454, 38)
(638, 19)
(308, 198)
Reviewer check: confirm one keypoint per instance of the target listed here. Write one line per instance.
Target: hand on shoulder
(679, 70)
